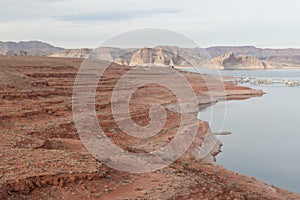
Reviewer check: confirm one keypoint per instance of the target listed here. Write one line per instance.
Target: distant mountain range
(27, 48)
(222, 57)
(251, 51)
(213, 57)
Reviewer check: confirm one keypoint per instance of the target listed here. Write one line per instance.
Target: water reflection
(266, 136)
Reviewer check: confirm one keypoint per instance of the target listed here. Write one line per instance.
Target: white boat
(291, 83)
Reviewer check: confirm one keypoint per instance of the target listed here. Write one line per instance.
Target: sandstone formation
(162, 56)
(230, 61)
(187, 57)
(72, 53)
(246, 57)
(103, 53)
(157, 56)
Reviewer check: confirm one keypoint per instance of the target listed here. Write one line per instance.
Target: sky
(78, 23)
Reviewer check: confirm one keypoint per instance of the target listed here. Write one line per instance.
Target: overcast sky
(78, 23)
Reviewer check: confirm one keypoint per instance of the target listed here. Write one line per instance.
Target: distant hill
(243, 57)
(27, 48)
(105, 53)
(160, 55)
(251, 51)
(222, 57)
(283, 58)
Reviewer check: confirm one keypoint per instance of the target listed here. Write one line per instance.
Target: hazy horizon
(90, 47)
(77, 24)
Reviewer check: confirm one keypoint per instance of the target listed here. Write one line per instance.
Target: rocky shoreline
(42, 156)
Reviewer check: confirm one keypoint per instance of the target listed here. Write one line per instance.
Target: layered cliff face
(241, 58)
(103, 53)
(171, 56)
(157, 56)
(72, 53)
(165, 56)
(230, 61)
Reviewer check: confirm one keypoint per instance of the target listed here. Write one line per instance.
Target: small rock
(126, 182)
(106, 190)
(108, 176)
(138, 189)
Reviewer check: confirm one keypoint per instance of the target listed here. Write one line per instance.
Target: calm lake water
(265, 140)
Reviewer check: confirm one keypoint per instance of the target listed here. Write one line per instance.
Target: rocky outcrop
(170, 56)
(102, 53)
(242, 57)
(230, 61)
(195, 55)
(72, 53)
(245, 57)
(157, 56)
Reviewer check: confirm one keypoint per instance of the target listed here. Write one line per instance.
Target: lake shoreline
(275, 95)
